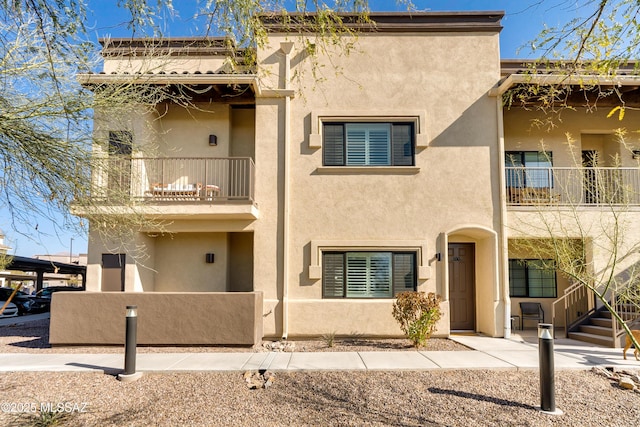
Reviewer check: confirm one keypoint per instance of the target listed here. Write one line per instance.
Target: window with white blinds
(368, 144)
(368, 274)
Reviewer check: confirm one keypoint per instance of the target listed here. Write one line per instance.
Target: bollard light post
(547, 374)
(130, 344)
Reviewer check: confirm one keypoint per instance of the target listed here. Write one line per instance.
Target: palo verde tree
(46, 115)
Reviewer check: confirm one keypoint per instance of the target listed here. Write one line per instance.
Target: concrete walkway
(519, 352)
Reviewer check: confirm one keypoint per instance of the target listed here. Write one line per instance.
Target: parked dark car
(42, 299)
(21, 299)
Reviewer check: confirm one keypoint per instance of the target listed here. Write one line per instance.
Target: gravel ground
(434, 398)
(442, 398)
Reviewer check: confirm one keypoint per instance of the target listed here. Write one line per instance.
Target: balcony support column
(503, 244)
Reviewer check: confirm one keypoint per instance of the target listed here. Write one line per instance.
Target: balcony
(560, 186)
(177, 186)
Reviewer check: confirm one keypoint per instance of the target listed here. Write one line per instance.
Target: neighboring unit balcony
(177, 186)
(562, 186)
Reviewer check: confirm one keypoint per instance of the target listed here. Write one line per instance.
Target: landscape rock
(256, 380)
(625, 379)
(626, 382)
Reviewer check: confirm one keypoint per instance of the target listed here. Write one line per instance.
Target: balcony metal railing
(177, 179)
(572, 186)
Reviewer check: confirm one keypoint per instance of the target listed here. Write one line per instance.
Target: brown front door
(462, 286)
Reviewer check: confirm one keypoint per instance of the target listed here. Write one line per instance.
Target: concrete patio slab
(466, 360)
(522, 359)
(326, 361)
(396, 360)
(43, 362)
(150, 362)
(280, 362)
(212, 362)
(259, 361)
(483, 343)
(589, 356)
(104, 362)
(487, 353)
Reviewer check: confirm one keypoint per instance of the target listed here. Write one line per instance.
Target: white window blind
(369, 275)
(368, 144)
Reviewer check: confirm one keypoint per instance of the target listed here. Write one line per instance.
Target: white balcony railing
(176, 179)
(572, 186)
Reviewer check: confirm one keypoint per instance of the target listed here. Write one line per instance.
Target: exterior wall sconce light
(438, 256)
(213, 140)
(210, 258)
(636, 154)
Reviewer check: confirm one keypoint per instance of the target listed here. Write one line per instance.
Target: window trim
(527, 284)
(417, 117)
(365, 149)
(418, 246)
(392, 259)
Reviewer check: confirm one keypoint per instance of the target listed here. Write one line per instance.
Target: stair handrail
(575, 294)
(628, 312)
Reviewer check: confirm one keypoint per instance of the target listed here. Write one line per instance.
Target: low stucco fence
(164, 318)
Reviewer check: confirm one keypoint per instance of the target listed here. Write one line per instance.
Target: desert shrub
(417, 313)
(329, 339)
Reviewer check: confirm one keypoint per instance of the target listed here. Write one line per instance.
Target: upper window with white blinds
(368, 144)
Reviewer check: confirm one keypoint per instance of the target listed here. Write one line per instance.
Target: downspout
(286, 48)
(503, 242)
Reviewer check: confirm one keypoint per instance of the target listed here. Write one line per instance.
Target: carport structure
(41, 266)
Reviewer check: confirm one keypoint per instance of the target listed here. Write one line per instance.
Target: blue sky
(523, 20)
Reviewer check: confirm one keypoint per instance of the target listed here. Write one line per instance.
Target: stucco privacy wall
(200, 318)
(454, 180)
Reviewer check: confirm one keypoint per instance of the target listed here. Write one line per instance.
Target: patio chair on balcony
(211, 191)
(530, 311)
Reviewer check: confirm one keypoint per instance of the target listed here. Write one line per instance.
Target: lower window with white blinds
(367, 274)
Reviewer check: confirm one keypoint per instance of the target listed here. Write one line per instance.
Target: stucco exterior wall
(185, 132)
(588, 131)
(453, 186)
(268, 230)
(386, 75)
(180, 262)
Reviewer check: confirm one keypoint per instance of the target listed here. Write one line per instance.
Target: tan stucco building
(302, 194)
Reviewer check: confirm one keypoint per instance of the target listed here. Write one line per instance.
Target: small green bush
(329, 338)
(417, 313)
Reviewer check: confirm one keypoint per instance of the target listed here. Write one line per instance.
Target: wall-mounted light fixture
(213, 140)
(438, 256)
(636, 154)
(210, 258)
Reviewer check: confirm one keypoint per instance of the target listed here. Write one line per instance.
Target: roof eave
(559, 79)
(89, 79)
